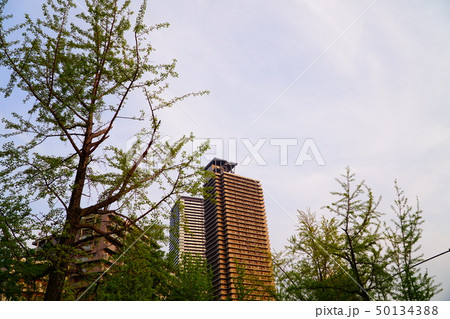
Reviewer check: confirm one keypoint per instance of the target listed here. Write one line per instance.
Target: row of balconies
(241, 179)
(247, 211)
(244, 190)
(247, 259)
(232, 243)
(228, 264)
(230, 255)
(234, 220)
(232, 195)
(232, 192)
(212, 225)
(245, 238)
(238, 240)
(228, 280)
(247, 207)
(244, 214)
(197, 213)
(211, 238)
(193, 233)
(191, 222)
(236, 254)
(262, 250)
(245, 232)
(237, 224)
(191, 236)
(233, 230)
(248, 248)
(193, 245)
(231, 279)
(233, 227)
(235, 193)
(215, 248)
(255, 209)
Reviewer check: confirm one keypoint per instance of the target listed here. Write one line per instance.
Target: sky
(299, 90)
(366, 81)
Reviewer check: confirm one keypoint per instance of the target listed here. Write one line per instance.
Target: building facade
(98, 253)
(187, 224)
(237, 241)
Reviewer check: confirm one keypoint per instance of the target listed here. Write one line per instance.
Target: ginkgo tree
(351, 253)
(81, 70)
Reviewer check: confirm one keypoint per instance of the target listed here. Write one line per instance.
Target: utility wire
(415, 265)
(420, 263)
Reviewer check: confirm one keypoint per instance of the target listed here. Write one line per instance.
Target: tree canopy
(354, 254)
(81, 70)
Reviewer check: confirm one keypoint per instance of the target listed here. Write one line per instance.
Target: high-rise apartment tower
(187, 226)
(237, 240)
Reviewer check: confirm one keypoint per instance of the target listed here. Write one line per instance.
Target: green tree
(144, 272)
(20, 267)
(307, 270)
(339, 258)
(360, 247)
(249, 286)
(141, 273)
(193, 280)
(404, 238)
(243, 283)
(353, 255)
(80, 70)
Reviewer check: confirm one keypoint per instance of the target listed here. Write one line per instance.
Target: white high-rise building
(187, 228)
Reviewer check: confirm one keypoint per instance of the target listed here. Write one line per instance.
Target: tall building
(187, 224)
(237, 240)
(98, 253)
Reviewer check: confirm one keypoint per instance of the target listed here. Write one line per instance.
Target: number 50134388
(407, 310)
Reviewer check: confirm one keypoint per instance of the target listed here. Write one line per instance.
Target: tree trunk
(57, 277)
(55, 285)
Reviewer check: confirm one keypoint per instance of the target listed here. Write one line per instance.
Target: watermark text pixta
(337, 311)
(246, 151)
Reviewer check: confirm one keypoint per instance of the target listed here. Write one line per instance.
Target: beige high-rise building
(237, 240)
(187, 228)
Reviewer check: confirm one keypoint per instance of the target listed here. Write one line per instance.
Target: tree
(354, 255)
(79, 70)
(193, 280)
(307, 269)
(19, 266)
(247, 285)
(340, 258)
(409, 283)
(244, 290)
(360, 246)
(142, 273)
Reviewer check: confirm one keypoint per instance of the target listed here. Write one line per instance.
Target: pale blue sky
(377, 100)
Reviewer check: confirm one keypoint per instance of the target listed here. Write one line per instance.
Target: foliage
(409, 283)
(360, 241)
(353, 255)
(142, 272)
(248, 285)
(314, 273)
(241, 283)
(82, 71)
(192, 281)
(20, 267)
